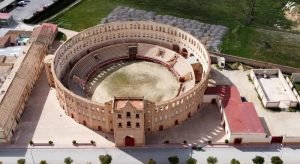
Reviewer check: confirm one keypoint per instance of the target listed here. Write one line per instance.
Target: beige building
(19, 83)
(129, 119)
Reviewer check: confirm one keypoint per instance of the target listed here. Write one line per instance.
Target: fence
(255, 63)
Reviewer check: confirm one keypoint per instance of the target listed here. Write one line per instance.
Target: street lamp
(190, 149)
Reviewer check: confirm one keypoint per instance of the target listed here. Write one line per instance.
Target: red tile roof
(53, 27)
(241, 116)
(139, 105)
(5, 15)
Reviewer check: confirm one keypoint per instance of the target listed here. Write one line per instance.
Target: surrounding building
(19, 83)
(274, 90)
(15, 38)
(240, 120)
(6, 19)
(130, 118)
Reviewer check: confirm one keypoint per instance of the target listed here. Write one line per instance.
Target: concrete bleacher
(96, 60)
(91, 62)
(151, 52)
(180, 67)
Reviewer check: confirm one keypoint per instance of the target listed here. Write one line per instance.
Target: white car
(22, 3)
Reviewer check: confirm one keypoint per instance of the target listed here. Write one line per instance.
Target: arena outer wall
(157, 116)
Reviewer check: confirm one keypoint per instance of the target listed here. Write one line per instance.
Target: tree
(43, 162)
(151, 161)
(173, 159)
(68, 160)
(21, 161)
(276, 160)
(258, 160)
(235, 161)
(105, 159)
(191, 161)
(212, 160)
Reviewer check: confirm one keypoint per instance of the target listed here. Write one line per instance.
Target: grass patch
(61, 36)
(266, 45)
(245, 41)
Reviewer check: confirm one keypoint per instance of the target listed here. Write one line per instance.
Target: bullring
(81, 57)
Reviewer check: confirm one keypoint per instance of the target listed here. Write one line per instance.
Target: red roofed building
(45, 34)
(240, 119)
(6, 19)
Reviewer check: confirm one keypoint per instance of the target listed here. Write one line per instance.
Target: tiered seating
(175, 62)
(91, 62)
(168, 57)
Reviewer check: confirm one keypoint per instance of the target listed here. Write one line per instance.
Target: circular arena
(131, 78)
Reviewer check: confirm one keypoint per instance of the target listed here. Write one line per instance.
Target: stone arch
(129, 141)
(176, 48)
(176, 122)
(184, 52)
(161, 128)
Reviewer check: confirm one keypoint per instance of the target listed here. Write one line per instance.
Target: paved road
(141, 155)
(27, 11)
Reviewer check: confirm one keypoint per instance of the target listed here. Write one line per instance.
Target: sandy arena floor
(134, 79)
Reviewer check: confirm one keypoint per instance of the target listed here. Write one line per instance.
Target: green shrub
(173, 159)
(191, 161)
(105, 159)
(21, 161)
(276, 160)
(151, 161)
(258, 160)
(68, 160)
(235, 161)
(212, 160)
(43, 162)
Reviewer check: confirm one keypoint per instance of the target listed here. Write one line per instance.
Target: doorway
(129, 141)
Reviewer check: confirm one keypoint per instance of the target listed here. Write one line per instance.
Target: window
(137, 115)
(119, 116)
(137, 125)
(128, 115)
(128, 124)
(120, 125)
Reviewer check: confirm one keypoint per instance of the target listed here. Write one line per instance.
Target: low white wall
(291, 140)
(272, 104)
(251, 138)
(287, 84)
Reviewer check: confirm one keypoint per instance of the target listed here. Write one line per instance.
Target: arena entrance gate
(132, 51)
(277, 139)
(129, 141)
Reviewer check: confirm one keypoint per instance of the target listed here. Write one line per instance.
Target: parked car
(22, 3)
